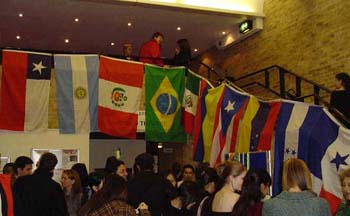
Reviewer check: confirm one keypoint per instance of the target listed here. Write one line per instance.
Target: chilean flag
(120, 88)
(25, 91)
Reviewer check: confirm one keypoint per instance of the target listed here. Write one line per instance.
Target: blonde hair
(228, 168)
(344, 174)
(73, 175)
(296, 173)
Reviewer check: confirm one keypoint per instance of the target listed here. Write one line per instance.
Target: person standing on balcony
(340, 98)
(182, 53)
(150, 51)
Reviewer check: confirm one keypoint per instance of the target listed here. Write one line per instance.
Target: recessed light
(18, 37)
(178, 28)
(112, 44)
(129, 24)
(66, 40)
(20, 15)
(76, 19)
(223, 32)
(196, 50)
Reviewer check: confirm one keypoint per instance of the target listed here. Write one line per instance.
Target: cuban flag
(77, 92)
(313, 135)
(230, 104)
(25, 91)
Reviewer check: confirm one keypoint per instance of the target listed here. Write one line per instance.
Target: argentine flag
(77, 92)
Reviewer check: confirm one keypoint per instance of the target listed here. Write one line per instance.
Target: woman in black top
(182, 53)
(340, 98)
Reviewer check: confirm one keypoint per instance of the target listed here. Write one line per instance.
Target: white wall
(15, 144)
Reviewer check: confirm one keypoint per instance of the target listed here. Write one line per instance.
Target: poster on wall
(66, 159)
(3, 162)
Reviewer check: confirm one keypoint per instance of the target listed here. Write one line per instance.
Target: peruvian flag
(25, 88)
(120, 88)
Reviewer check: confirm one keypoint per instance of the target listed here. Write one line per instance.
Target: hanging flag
(198, 145)
(190, 100)
(212, 99)
(255, 160)
(77, 92)
(25, 91)
(164, 95)
(292, 135)
(230, 104)
(120, 86)
(245, 127)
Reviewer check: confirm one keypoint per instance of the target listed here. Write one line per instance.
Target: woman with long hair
(71, 185)
(83, 175)
(182, 53)
(232, 174)
(344, 208)
(297, 197)
(111, 200)
(254, 188)
(340, 98)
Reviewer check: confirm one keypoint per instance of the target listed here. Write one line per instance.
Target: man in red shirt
(150, 51)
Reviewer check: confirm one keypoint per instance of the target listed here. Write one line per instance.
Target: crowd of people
(227, 189)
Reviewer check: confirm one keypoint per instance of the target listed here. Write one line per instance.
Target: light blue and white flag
(77, 92)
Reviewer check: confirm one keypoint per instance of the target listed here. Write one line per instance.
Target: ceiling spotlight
(160, 145)
(20, 15)
(112, 44)
(178, 28)
(66, 40)
(196, 50)
(18, 37)
(129, 24)
(223, 33)
(76, 19)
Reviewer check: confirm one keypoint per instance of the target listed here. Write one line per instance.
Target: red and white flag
(120, 88)
(25, 88)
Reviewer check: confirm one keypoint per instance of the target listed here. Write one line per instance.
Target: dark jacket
(149, 188)
(39, 195)
(182, 59)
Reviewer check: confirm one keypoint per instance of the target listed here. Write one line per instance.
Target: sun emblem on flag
(80, 92)
(119, 97)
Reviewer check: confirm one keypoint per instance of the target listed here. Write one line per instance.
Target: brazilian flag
(164, 92)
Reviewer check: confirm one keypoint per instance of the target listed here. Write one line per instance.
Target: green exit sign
(245, 26)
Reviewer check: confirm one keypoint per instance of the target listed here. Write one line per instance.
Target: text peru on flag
(120, 88)
(25, 88)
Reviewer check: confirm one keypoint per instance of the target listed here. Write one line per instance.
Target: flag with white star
(25, 91)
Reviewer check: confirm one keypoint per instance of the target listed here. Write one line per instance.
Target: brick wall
(310, 38)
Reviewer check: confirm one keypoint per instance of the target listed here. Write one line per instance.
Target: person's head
(23, 166)
(80, 168)
(9, 169)
(190, 194)
(251, 192)
(296, 174)
(171, 178)
(345, 183)
(114, 188)
(184, 46)
(95, 180)
(208, 179)
(127, 49)
(47, 161)
(115, 166)
(232, 174)
(342, 81)
(158, 37)
(71, 182)
(144, 162)
(188, 173)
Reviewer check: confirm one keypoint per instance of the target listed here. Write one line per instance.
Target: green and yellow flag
(164, 95)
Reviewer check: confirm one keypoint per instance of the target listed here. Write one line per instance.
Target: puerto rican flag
(25, 88)
(312, 134)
